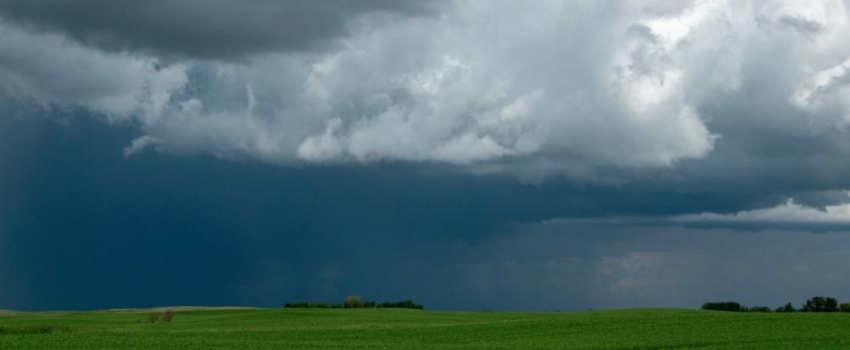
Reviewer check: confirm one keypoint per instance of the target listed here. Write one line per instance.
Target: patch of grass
(413, 329)
(43, 329)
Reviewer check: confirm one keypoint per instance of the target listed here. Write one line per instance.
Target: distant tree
(306, 305)
(831, 305)
(404, 304)
(814, 304)
(723, 306)
(845, 307)
(820, 304)
(756, 309)
(787, 308)
(353, 302)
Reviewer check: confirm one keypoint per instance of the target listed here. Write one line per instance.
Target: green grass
(411, 329)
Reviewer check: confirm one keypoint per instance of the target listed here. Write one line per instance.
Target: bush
(168, 315)
(723, 306)
(756, 309)
(157, 317)
(845, 307)
(404, 304)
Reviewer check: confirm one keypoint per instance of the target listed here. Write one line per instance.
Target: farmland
(413, 329)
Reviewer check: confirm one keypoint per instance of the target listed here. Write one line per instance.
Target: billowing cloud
(48, 70)
(554, 87)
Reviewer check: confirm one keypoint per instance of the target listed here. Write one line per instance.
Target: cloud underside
(557, 87)
(202, 29)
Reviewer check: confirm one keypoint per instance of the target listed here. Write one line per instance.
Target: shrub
(845, 307)
(157, 317)
(168, 315)
(757, 309)
(722, 306)
(404, 304)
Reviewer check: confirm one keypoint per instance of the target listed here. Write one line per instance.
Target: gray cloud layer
(217, 29)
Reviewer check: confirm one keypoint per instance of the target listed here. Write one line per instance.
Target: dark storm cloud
(661, 147)
(155, 230)
(150, 230)
(216, 29)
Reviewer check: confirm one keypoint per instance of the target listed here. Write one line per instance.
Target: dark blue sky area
(83, 227)
(110, 231)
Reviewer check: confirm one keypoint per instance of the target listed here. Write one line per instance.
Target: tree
(821, 304)
(787, 308)
(723, 306)
(831, 305)
(404, 304)
(353, 302)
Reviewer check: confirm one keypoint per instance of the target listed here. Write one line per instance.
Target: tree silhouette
(821, 304)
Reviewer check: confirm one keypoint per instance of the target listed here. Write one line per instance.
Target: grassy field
(410, 329)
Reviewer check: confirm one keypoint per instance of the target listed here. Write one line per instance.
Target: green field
(411, 329)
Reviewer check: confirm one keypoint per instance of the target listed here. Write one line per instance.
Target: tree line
(355, 302)
(816, 304)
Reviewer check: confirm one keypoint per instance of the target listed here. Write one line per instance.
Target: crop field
(412, 329)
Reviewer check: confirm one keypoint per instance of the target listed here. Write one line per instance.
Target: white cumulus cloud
(552, 87)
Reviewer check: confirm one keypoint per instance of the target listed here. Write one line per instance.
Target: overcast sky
(467, 154)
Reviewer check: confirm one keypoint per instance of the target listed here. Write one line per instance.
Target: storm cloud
(219, 29)
(570, 154)
(558, 87)
(568, 88)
